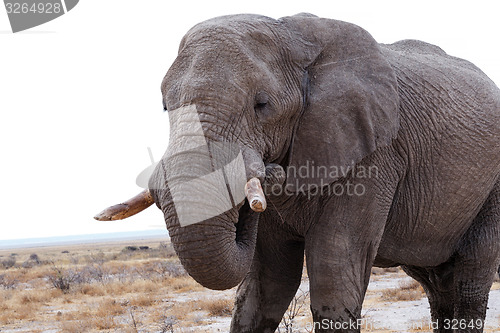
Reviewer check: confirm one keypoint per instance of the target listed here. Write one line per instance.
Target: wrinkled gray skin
(304, 90)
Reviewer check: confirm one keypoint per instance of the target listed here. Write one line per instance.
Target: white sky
(80, 95)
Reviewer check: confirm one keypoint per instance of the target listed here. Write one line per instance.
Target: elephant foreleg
(339, 261)
(267, 290)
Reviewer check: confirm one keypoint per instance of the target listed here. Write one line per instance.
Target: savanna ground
(141, 287)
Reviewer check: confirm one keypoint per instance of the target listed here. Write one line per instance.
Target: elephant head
(291, 92)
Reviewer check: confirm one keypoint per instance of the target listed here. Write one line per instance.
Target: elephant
(366, 154)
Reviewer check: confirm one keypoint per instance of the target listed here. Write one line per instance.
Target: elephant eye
(260, 106)
(261, 100)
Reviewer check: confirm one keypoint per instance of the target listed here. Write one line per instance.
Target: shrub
(34, 257)
(93, 272)
(63, 280)
(8, 282)
(9, 262)
(392, 269)
(132, 248)
(109, 307)
(406, 291)
(33, 260)
(27, 264)
(169, 269)
(289, 318)
(219, 307)
(167, 325)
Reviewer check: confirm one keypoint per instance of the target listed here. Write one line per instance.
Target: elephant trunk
(202, 195)
(217, 252)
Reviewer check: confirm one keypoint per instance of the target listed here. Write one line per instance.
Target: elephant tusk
(255, 195)
(126, 209)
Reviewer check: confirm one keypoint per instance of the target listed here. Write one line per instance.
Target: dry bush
(91, 290)
(193, 311)
(183, 284)
(9, 262)
(161, 269)
(75, 326)
(180, 310)
(34, 258)
(141, 286)
(109, 306)
(133, 252)
(121, 271)
(116, 288)
(36, 296)
(26, 311)
(142, 300)
(24, 304)
(63, 279)
(28, 275)
(297, 305)
(221, 307)
(98, 258)
(406, 291)
(8, 282)
(12, 311)
(103, 323)
(391, 269)
(5, 296)
(167, 324)
(5, 308)
(94, 273)
(101, 317)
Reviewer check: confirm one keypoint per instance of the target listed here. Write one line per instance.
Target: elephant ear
(352, 102)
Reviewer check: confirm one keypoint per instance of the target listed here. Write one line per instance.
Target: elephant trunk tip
(128, 208)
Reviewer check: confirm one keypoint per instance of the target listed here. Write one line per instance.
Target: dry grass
(105, 288)
(408, 290)
(112, 289)
(183, 285)
(221, 307)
